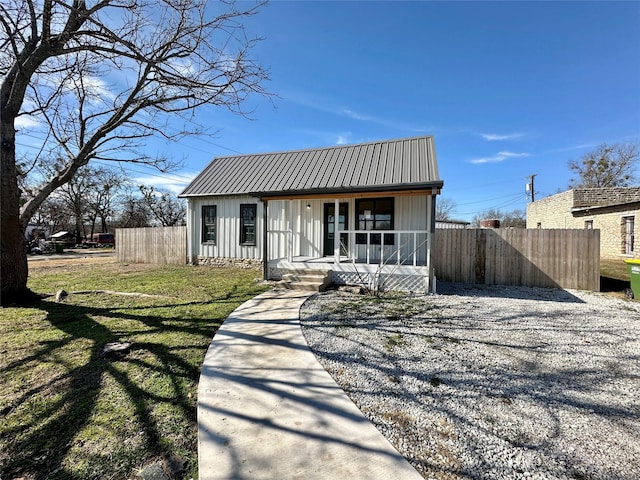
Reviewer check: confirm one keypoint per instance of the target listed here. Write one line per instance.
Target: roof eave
(433, 185)
(626, 205)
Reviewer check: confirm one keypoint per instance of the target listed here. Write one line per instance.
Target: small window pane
(248, 224)
(375, 214)
(209, 224)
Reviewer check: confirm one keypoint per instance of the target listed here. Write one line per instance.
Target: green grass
(614, 268)
(66, 412)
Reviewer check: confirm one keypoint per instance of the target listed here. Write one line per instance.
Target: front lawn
(70, 413)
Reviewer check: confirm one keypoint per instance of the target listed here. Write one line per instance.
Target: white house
(280, 209)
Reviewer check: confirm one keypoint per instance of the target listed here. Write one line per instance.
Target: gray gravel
(491, 382)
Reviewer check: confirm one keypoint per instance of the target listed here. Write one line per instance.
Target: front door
(329, 226)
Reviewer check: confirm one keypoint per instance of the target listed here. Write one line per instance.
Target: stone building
(615, 211)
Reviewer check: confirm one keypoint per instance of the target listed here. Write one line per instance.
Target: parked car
(100, 240)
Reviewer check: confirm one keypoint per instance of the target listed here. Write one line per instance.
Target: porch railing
(383, 247)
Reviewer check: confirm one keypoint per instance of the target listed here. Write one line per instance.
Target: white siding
(291, 223)
(227, 228)
(411, 213)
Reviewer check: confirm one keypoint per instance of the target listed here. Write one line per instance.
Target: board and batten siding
(295, 223)
(227, 229)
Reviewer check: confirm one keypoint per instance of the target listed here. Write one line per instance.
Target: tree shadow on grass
(55, 407)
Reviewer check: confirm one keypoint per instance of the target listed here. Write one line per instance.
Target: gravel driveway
(491, 382)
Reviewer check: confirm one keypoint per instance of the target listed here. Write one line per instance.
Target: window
(375, 214)
(628, 236)
(588, 224)
(209, 213)
(539, 225)
(248, 224)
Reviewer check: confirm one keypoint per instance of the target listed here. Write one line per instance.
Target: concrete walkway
(268, 410)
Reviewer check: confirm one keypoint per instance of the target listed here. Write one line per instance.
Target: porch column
(431, 228)
(290, 240)
(336, 233)
(265, 236)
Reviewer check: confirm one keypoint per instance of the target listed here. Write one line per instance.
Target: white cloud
(174, 183)
(343, 139)
(575, 147)
(499, 157)
(347, 112)
(26, 121)
(492, 137)
(326, 105)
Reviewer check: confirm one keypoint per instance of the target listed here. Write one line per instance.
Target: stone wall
(552, 212)
(244, 263)
(590, 197)
(555, 212)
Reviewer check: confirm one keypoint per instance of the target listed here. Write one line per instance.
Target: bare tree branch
(607, 166)
(100, 79)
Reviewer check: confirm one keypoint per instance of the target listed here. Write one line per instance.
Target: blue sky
(508, 89)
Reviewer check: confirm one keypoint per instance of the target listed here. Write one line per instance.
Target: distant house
(449, 224)
(279, 210)
(615, 211)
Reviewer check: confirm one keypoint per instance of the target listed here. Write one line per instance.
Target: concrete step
(307, 271)
(305, 286)
(296, 277)
(306, 279)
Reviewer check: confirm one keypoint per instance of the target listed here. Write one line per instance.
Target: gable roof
(390, 165)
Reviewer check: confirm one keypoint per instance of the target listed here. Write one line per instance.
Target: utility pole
(530, 187)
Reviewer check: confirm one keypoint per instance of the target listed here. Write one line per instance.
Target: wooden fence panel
(560, 258)
(157, 245)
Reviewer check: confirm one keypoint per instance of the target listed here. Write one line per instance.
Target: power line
(513, 201)
(490, 199)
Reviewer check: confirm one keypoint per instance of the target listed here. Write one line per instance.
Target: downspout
(265, 246)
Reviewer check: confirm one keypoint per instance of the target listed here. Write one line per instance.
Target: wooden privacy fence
(538, 258)
(159, 245)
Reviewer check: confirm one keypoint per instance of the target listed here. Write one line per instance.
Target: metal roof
(389, 165)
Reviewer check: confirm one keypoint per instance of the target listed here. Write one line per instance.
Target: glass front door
(329, 227)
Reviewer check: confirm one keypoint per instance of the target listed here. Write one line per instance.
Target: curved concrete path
(268, 410)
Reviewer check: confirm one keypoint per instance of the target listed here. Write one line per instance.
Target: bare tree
(606, 166)
(133, 212)
(99, 79)
(167, 209)
(101, 200)
(445, 208)
(74, 196)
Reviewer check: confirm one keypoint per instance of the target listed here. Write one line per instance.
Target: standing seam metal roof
(390, 164)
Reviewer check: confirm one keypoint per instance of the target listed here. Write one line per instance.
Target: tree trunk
(13, 267)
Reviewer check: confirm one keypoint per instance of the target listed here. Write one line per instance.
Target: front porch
(367, 250)
(346, 272)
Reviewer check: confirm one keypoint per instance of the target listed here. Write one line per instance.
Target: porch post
(336, 233)
(431, 223)
(265, 236)
(290, 240)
